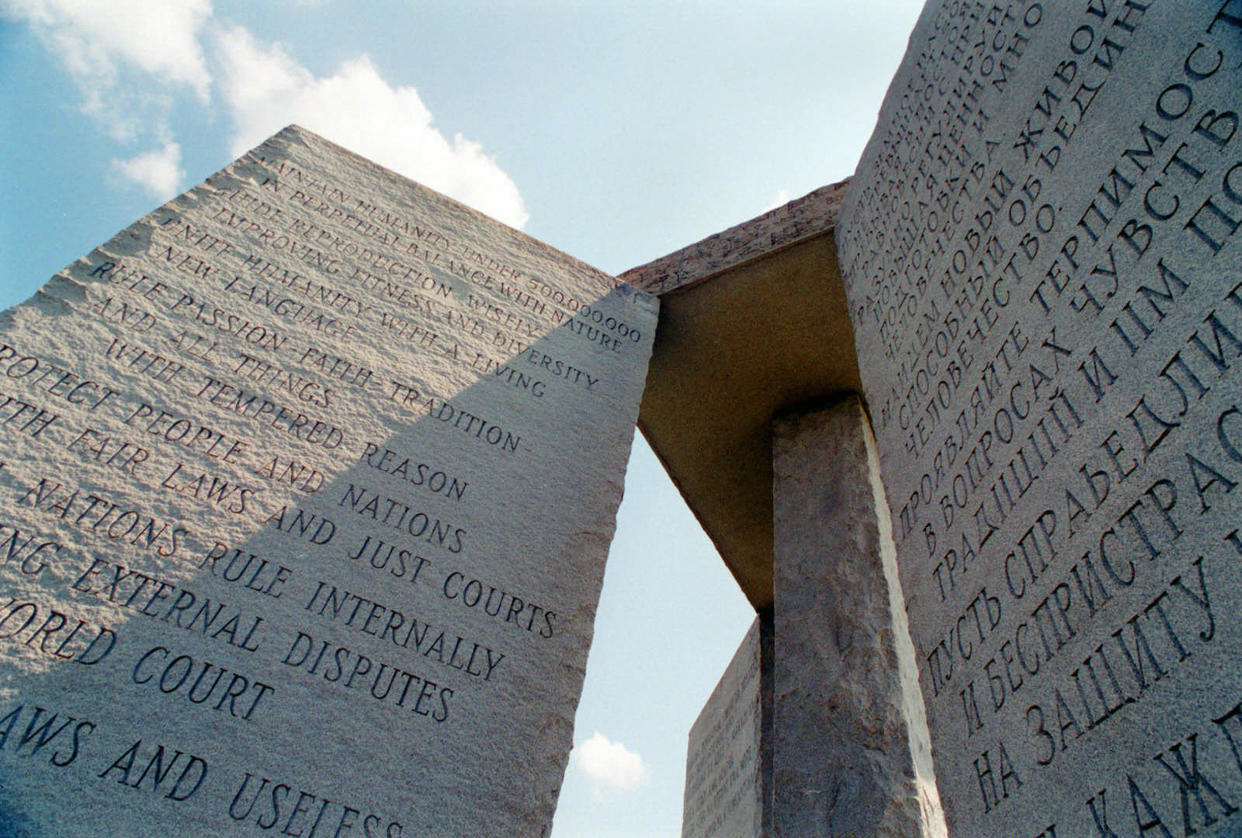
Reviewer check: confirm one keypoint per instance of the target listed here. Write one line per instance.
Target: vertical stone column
(274, 559)
(728, 789)
(767, 741)
(850, 745)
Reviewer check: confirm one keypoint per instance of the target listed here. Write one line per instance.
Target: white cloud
(128, 57)
(132, 58)
(779, 200)
(159, 172)
(265, 89)
(95, 38)
(610, 765)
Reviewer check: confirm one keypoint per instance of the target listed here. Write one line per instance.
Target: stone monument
(308, 481)
(728, 769)
(1042, 260)
(850, 749)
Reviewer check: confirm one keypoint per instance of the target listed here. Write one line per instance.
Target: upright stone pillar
(1042, 248)
(308, 479)
(850, 745)
(728, 790)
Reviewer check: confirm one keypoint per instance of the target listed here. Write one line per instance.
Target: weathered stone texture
(842, 763)
(726, 774)
(1041, 250)
(309, 478)
(814, 214)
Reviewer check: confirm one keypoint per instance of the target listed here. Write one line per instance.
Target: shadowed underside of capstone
(753, 322)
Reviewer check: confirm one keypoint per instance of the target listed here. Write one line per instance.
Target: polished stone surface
(727, 790)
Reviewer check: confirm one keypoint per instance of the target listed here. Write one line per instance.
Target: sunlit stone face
(1042, 259)
(309, 478)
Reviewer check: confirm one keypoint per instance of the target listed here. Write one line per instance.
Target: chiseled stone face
(845, 725)
(724, 764)
(309, 478)
(1042, 258)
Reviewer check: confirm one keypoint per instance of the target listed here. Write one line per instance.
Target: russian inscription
(309, 479)
(1042, 263)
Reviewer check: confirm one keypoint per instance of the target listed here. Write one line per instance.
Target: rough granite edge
(550, 251)
(802, 218)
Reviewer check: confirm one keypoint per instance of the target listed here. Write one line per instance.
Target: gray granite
(1042, 257)
(308, 482)
(848, 719)
(814, 214)
(727, 790)
(753, 321)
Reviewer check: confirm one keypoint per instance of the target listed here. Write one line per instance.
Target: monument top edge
(814, 214)
(298, 134)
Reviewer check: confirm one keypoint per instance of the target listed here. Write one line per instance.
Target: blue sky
(615, 131)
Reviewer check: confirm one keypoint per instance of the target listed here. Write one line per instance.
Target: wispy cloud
(265, 89)
(159, 172)
(610, 765)
(132, 60)
(778, 200)
(100, 41)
